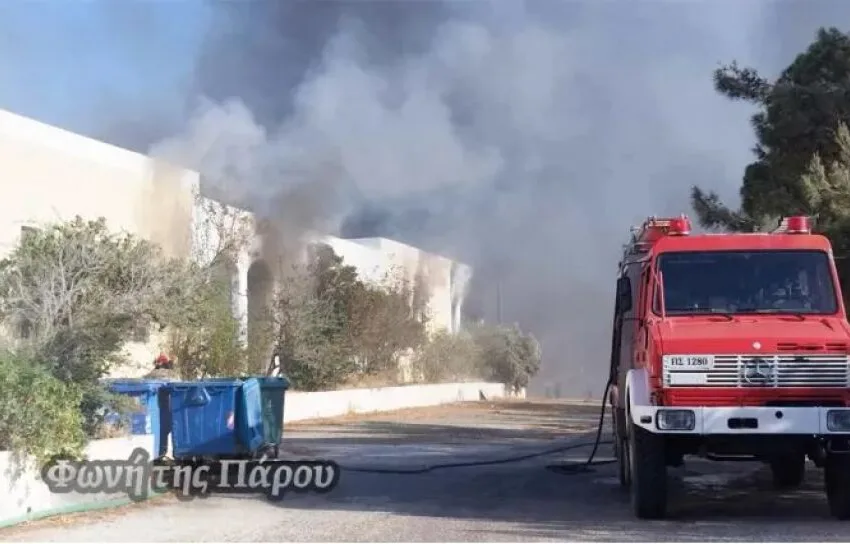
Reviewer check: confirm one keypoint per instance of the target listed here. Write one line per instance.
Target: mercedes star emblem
(757, 371)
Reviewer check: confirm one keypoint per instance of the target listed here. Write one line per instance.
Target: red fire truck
(730, 347)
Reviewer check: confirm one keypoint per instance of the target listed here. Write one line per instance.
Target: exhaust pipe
(729, 457)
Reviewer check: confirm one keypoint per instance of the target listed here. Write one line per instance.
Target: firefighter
(163, 362)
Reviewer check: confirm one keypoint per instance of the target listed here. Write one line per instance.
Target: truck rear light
(838, 421)
(677, 420)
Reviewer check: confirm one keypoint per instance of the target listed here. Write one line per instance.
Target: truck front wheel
(621, 450)
(621, 453)
(836, 476)
(788, 470)
(648, 472)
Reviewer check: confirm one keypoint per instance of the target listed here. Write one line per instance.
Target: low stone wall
(23, 496)
(300, 406)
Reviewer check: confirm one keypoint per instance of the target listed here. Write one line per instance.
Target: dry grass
(394, 415)
(384, 379)
(438, 411)
(445, 410)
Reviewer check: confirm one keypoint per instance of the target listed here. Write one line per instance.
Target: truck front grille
(766, 371)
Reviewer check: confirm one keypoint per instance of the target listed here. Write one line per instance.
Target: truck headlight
(838, 421)
(677, 420)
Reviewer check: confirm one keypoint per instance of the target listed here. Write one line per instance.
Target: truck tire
(836, 477)
(621, 450)
(788, 470)
(648, 471)
(621, 454)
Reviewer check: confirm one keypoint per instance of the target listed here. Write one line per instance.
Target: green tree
(307, 334)
(328, 326)
(449, 357)
(338, 284)
(825, 189)
(39, 414)
(508, 355)
(76, 292)
(799, 117)
(204, 337)
(387, 321)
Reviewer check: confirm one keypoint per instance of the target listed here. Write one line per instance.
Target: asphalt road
(523, 501)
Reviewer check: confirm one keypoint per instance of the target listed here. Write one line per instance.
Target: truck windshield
(740, 282)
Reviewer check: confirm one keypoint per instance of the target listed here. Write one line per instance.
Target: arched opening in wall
(456, 321)
(260, 330)
(226, 278)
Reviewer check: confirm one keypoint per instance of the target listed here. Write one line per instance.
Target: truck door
(643, 305)
(630, 322)
(626, 321)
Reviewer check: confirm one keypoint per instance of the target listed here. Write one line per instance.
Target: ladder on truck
(642, 237)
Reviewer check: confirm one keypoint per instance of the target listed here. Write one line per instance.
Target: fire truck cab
(730, 347)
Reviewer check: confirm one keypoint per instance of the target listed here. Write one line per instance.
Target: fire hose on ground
(561, 468)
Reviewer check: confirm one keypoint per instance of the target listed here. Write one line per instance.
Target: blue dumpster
(273, 390)
(249, 416)
(218, 417)
(147, 419)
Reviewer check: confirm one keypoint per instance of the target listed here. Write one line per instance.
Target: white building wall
(376, 258)
(50, 175)
(369, 262)
(225, 232)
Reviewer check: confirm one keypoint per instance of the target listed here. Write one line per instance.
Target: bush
(105, 414)
(330, 328)
(205, 336)
(39, 414)
(384, 325)
(507, 355)
(494, 353)
(79, 291)
(448, 358)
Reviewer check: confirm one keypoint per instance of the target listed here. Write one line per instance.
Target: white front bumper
(712, 420)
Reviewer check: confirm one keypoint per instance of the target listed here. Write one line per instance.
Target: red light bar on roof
(679, 226)
(797, 224)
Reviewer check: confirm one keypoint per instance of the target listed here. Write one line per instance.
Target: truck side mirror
(624, 294)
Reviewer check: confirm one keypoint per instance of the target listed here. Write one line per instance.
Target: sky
(523, 138)
(65, 62)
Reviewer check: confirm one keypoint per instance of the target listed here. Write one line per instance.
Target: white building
(444, 279)
(50, 175)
